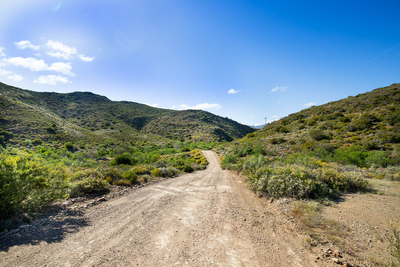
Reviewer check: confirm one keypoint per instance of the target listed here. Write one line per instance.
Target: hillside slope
(362, 123)
(55, 116)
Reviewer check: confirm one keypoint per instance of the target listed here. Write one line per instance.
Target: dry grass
(385, 187)
(319, 229)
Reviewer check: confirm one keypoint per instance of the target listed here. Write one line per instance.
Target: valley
(316, 188)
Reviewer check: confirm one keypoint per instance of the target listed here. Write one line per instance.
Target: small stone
(244, 219)
(23, 226)
(337, 254)
(336, 260)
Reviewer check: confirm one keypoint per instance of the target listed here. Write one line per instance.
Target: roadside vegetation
(314, 156)
(36, 173)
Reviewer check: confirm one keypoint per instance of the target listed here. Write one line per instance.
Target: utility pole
(265, 121)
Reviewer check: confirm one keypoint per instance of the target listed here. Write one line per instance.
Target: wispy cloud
(34, 64)
(59, 50)
(152, 105)
(233, 91)
(204, 106)
(51, 79)
(275, 117)
(2, 54)
(309, 104)
(26, 44)
(279, 89)
(85, 58)
(11, 75)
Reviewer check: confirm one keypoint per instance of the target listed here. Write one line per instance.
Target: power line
(370, 62)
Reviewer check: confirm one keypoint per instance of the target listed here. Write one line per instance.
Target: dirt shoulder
(205, 218)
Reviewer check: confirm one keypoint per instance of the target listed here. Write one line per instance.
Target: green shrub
(313, 121)
(156, 172)
(69, 146)
(281, 129)
(318, 135)
(168, 171)
(304, 182)
(129, 176)
(89, 185)
(122, 159)
(228, 160)
(37, 142)
(254, 163)
(142, 169)
(114, 173)
(275, 140)
(188, 168)
(354, 155)
(380, 158)
(123, 183)
(393, 118)
(387, 137)
(345, 119)
(370, 145)
(29, 182)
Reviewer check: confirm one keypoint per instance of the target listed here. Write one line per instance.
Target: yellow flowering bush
(29, 182)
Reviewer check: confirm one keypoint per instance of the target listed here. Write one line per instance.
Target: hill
(84, 115)
(337, 131)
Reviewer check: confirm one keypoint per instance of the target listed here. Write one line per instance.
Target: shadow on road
(46, 229)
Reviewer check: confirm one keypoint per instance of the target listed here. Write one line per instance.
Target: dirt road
(207, 218)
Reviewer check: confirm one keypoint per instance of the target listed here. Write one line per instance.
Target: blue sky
(245, 60)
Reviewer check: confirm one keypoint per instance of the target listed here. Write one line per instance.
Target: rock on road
(207, 218)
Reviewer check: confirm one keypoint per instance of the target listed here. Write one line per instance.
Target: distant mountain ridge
(258, 127)
(53, 116)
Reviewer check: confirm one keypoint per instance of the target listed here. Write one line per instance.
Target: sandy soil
(364, 215)
(208, 218)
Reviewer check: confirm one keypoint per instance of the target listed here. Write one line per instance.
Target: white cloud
(204, 106)
(2, 54)
(152, 105)
(11, 75)
(309, 104)
(85, 58)
(39, 65)
(26, 44)
(59, 50)
(275, 116)
(15, 77)
(233, 91)
(64, 68)
(30, 63)
(51, 79)
(5, 72)
(279, 89)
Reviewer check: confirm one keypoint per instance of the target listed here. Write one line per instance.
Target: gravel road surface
(207, 218)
